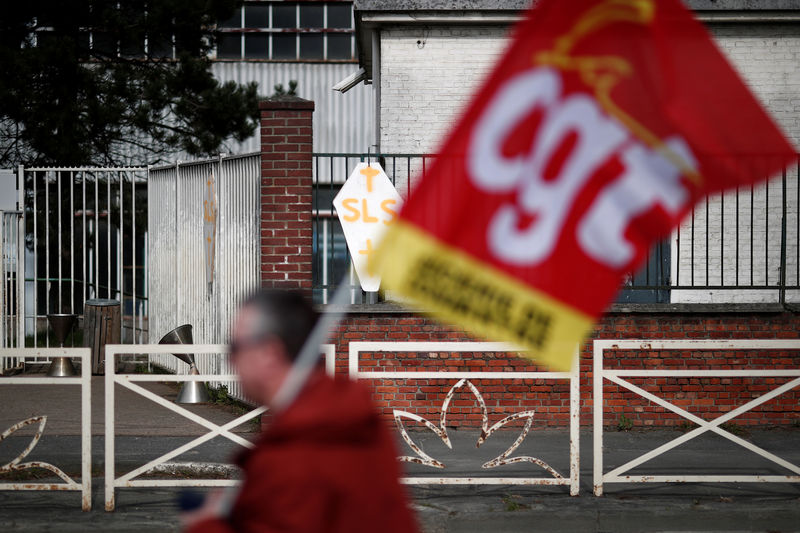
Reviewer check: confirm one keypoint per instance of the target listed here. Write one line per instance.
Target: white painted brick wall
(425, 86)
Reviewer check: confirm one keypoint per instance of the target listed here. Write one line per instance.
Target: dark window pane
(256, 46)
(46, 39)
(132, 48)
(340, 15)
(339, 46)
(312, 15)
(234, 22)
(103, 43)
(159, 47)
(284, 46)
(83, 43)
(311, 46)
(284, 15)
(229, 46)
(256, 16)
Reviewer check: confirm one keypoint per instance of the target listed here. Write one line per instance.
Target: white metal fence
(465, 379)
(129, 381)
(622, 379)
(85, 383)
(86, 238)
(189, 203)
(12, 249)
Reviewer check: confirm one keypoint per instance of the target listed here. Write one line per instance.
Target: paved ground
(146, 431)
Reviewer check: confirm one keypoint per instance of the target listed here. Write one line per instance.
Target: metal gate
(12, 249)
(12, 333)
(85, 237)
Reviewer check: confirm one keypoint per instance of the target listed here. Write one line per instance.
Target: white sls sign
(367, 204)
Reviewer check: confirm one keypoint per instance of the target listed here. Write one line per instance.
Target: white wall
(425, 86)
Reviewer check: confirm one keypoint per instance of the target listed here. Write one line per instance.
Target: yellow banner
(477, 296)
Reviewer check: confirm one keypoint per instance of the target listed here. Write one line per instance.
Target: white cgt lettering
(649, 180)
(547, 202)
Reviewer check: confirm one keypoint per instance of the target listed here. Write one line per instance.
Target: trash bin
(101, 326)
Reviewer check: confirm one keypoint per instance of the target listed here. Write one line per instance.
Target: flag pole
(310, 352)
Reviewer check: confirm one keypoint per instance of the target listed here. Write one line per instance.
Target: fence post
(782, 291)
(286, 191)
(21, 258)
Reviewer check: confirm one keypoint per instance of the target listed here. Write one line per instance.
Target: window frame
(243, 31)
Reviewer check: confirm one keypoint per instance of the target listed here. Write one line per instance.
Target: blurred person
(326, 463)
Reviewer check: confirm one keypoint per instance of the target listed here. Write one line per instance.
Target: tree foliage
(115, 81)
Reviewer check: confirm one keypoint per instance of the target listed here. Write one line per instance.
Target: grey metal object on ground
(61, 324)
(101, 326)
(192, 391)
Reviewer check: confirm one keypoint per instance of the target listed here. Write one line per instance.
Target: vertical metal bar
(782, 280)
(96, 271)
(575, 425)
(597, 418)
(133, 254)
(47, 249)
(332, 261)
(708, 251)
(21, 257)
(220, 240)
(84, 241)
(737, 235)
(766, 234)
(34, 213)
(722, 240)
(316, 260)
(177, 258)
(408, 176)
(60, 246)
(86, 430)
(110, 381)
(72, 243)
(691, 254)
(752, 230)
(797, 226)
(3, 295)
(121, 257)
(678, 256)
(108, 236)
(325, 245)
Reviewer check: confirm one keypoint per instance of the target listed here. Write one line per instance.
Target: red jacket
(327, 464)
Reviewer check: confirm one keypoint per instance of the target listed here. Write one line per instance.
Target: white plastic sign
(366, 205)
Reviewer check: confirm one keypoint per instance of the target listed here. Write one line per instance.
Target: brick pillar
(286, 166)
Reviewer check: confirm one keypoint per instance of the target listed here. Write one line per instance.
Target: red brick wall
(286, 184)
(706, 398)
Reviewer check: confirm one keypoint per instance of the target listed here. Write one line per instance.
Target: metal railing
(133, 383)
(12, 333)
(85, 237)
(743, 246)
(463, 379)
(191, 202)
(85, 383)
(622, 378)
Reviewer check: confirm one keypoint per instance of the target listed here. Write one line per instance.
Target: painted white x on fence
(617, 475)
(214, 430)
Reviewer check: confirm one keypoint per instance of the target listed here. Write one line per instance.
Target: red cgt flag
(592, 138)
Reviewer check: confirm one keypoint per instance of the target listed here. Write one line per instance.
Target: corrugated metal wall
(342, 122)
(177, 276)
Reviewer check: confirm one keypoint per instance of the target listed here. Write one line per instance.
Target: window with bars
(288, 31)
